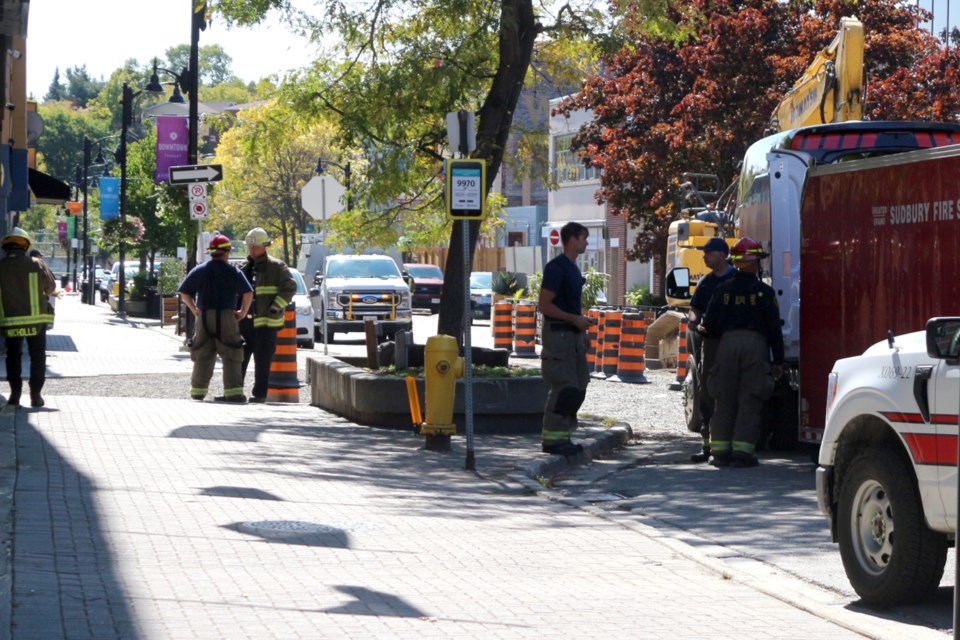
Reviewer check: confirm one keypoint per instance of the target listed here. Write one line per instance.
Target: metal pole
(471, 463)
(87, 262)
(125, 117)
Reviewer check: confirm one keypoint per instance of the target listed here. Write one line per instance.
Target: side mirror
(678, 283)
(314, 293)
(943, 338)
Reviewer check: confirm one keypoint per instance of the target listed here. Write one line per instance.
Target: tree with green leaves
(213, 68)
(267, 157)
(396, 70)
(56, 91)
(60, 148)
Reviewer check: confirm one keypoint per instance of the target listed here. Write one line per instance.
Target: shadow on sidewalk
(65, 581)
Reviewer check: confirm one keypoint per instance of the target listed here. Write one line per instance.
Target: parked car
(106, 285)
(481, 294)
(303, 311)
(427, 285)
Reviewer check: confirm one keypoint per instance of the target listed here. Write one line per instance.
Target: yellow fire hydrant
(442, 367)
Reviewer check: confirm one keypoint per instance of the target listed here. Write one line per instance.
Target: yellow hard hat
(18, 238)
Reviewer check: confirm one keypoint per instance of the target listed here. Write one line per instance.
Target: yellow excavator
(828, 91)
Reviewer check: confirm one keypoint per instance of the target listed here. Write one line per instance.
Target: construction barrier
(681, 356)
(631, 364)
(525, 330)
(611, 341)
(598, 364)
(282, 385)
(593, 315)
(503, 325)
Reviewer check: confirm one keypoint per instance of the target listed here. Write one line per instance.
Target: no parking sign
(198, 191)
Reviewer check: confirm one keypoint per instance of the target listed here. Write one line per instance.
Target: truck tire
(691, 405)
(877, 498)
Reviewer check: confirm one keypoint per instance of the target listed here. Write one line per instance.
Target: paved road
(767, 515)
(139, 517)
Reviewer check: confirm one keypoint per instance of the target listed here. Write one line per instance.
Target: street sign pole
(466, 200)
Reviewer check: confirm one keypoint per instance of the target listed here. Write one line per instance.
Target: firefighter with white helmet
(218, 294)
(273, 289)
(25, 312)
(743, 313)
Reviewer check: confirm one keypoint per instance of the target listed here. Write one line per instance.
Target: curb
(596, 439)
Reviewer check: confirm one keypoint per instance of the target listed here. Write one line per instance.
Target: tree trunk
(518, 32)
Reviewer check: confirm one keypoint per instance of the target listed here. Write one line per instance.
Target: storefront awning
(47, 189)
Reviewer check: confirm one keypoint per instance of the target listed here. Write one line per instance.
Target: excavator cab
(702, 218)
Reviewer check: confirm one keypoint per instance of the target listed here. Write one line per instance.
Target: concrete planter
(500, 405)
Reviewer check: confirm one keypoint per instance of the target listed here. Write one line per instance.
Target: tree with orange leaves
(663, 107)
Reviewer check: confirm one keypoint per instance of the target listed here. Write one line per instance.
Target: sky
(103, 34)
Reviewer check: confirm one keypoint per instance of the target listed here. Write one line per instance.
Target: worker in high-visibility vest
(273, 289)
(25, 312)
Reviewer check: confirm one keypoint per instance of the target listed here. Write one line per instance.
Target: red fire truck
(862, 223)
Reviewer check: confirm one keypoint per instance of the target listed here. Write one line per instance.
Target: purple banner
(172, 132)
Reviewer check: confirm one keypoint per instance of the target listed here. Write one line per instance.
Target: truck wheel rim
(872, 527)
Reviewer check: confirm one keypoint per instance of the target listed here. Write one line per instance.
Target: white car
(303, 310)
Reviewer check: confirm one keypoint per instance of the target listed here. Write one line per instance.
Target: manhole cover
(280, 527)
(288, 526)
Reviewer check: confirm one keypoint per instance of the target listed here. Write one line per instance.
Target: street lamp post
(126, 115)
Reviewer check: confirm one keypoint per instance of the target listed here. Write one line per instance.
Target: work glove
(274, 310)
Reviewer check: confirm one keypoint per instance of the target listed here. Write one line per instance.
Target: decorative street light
(83, 180)
(126, 115)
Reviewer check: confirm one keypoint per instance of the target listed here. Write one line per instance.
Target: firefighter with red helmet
(273, 289)
(25, 312)
(743, 313)
(218, 294)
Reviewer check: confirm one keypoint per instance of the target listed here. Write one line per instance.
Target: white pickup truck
(887, 478)
(356, 287)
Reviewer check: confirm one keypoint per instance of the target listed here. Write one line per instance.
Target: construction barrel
(283, 385)
(525, 330)
(631, 364)
(611, 341)
(503, 325)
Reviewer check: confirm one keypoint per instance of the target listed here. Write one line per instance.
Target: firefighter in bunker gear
(715, 256)
(25, 312)
(273, 289)
(743, 313)
(211, 291)
(564, 352)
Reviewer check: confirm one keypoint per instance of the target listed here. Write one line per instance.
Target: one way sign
(190, 173)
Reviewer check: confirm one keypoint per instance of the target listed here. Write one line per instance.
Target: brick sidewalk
(151, 518)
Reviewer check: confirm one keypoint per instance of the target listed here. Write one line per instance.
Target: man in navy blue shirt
(218, 294)
(715, 256)
(564, 337)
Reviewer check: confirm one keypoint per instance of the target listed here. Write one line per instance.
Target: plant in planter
(170, 276)
(506, 284)
(141, 283)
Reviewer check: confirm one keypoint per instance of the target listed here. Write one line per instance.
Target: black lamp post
(126, 115)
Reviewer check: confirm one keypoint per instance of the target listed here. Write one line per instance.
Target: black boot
(701, 457)
(36, 400)
(15, 389)
(563, 448)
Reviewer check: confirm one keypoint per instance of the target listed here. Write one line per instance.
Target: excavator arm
(829, 90)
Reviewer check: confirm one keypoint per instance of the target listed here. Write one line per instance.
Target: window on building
(567, 166)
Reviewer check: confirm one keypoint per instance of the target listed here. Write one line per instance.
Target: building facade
(573, 198)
